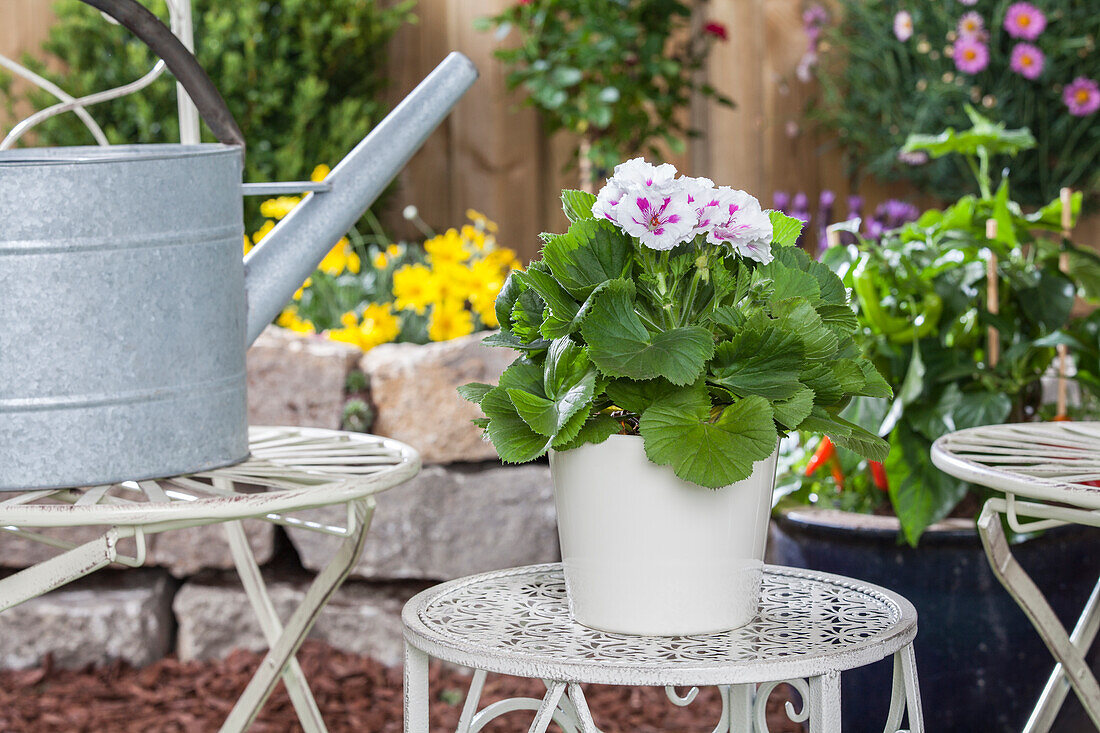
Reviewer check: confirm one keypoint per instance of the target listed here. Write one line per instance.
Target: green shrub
(304, 79)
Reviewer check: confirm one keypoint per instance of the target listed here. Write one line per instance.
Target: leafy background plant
(708, 356)
(877, 89)
(304, 80)
(921, 292)
(617, 73)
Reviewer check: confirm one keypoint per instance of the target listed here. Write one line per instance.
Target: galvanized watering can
(125, 308)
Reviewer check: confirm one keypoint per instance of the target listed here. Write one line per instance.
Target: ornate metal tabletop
(517, 622)
(1047, 461)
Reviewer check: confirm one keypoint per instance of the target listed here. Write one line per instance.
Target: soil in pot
(981, 663)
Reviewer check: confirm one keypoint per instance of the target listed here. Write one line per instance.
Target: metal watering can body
(126, 306)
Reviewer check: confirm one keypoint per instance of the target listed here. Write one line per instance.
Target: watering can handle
(181, 62)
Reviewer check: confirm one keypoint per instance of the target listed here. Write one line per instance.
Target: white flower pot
(648, 553)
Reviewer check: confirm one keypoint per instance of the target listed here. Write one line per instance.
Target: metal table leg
(416, 690)
(258, 597)
(1042, 616)
(301, 621)
(824, 703)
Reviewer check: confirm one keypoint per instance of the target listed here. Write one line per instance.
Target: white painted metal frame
(179, 14)
(1048, 464)
(291, 469)
(811, 627)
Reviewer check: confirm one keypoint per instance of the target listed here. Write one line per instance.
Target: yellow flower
(262, 231)
(449, 320)
(247, 244)
(290, 319)
(341, 257)
(379, 261)
(378, 326)
(474, 237)
(503, 258)
(277, 208)
(414, 287)
(446, 247)
(480, 220)
(393, 251)
(319, 173)
(454, 281)
(299, 291)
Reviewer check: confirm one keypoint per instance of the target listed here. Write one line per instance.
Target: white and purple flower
(740, 224)
(659, 220)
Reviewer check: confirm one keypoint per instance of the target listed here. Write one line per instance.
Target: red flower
(525, 2)
(716, 29)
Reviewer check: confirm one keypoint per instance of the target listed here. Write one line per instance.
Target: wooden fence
(491, 154)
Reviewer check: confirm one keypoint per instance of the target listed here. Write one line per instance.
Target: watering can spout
(291, 251)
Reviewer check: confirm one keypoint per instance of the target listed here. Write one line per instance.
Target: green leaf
(527, 316)
(763, 362)
(846, 435)
(985, 134)
(678, 432)
(621, 346)
(911, 388)
(822, 380)
(592, 252)
(514, 440)
(1050, 302)
(785, 229)
(506, 300)
(789, 282)
(797, 315)
(638, 395)
(875, 384)
(792, 411)
(1050, 216)
(509, 340)
(841, 319)
(563, 309)
(577, 205)
(919, 492)
(474, 391)
(1006, 224)
(849, 376)
(596, 429)
(974, 409)
(1084, 268)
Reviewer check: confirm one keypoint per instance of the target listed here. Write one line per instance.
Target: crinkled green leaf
(822, 380)
(474, 391)
(527, 315)
(846, 435)
(561, 304)
(789, 282)
(592, 252)
(506, 300)
(513, 439)
(919, 492)
(848, 375)
(509, 340)
(797, 315)
(577, 205)
(621, 346)
(840, 318)
(596, 429)
(792, 411)
(638, 395)
(993, 137)
(763, 362)
(874, 383)
(785, 229)
(678, 432)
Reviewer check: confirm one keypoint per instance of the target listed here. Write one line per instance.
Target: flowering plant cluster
(617, 74)
(891, 69)
(681, 312)
(924, 313)
(435, 291)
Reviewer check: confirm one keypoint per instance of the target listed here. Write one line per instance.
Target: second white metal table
(1048, 473)
(811, 626)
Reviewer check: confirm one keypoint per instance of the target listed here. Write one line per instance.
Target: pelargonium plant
(681, 312)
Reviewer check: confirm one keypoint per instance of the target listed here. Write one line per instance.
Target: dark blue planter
(981, 663)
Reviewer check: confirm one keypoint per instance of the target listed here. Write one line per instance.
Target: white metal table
(290, 469)
(811, 626)
(1044, 470)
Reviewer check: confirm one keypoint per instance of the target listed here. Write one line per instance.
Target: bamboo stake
(588, 182)
(1066, 194)
(993, 338)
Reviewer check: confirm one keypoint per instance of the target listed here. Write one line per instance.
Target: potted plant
(667, 341)
(925, 314)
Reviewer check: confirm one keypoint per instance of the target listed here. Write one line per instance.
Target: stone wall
(464, 513)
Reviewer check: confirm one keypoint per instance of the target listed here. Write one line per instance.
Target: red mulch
(353, 693)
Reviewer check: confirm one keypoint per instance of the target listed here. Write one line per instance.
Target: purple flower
(873, 228)
(1082, 96)
(1027, 60)
(801, 202)
(1024, 20)
(781, 200)
(826, 199)
(971, 55)
(855, 207)
(903, 25)
(741, 225)
(971, 25)
(893, 213)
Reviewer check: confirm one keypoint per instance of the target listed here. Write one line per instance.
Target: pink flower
(1027, 60)
(1024, 20)
(971, 25)
(740, 224)
(659, 220)
(1082, 96)
(716, 29)
(903, 25)
(971, 55)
